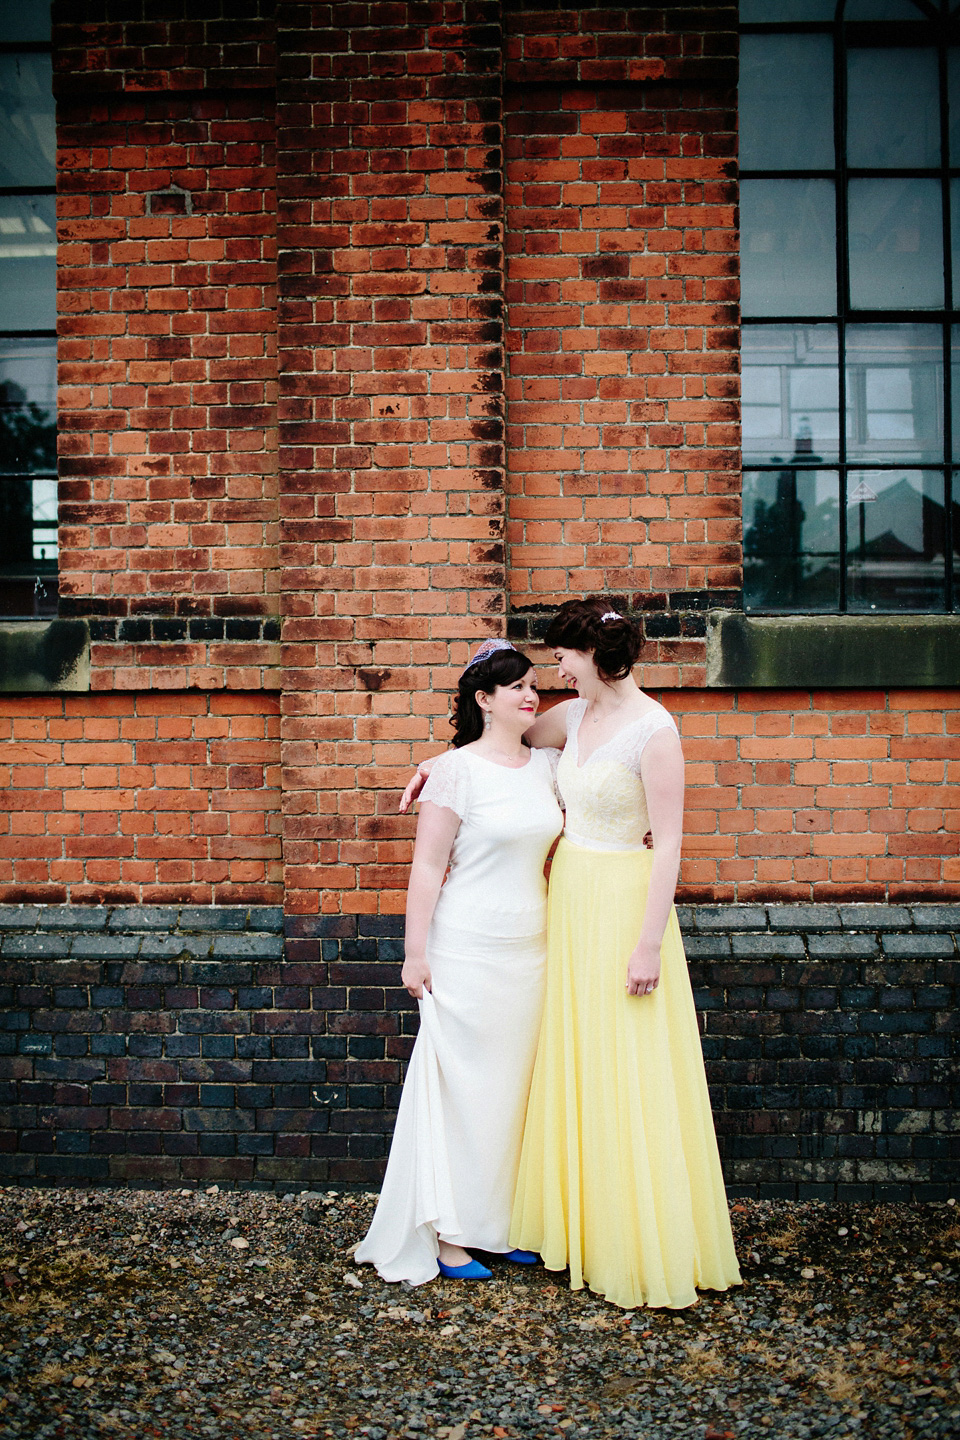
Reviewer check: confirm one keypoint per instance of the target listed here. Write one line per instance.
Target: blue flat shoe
(522, 1257)
(473, 1271)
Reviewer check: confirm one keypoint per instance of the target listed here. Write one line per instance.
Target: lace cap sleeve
(448, 784)
(659, 719)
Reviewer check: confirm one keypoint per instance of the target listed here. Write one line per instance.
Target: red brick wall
(167, 277)
(376, 381)
(623, 466)
(153, 798)
(391, 430)
(823, 795)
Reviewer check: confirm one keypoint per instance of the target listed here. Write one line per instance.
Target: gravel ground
(227, 1314)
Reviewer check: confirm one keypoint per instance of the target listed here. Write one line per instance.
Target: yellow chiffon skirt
(619, 1172)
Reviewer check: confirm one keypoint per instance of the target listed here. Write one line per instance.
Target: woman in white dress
(475, 953)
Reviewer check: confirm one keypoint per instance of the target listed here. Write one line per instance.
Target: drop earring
(487, 719)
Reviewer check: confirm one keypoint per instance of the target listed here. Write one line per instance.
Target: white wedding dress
(456, 1147)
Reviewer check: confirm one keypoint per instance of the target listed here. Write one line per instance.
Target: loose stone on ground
(136, 1313)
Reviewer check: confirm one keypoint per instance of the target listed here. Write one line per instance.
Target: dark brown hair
(614, 644)
(502, 667)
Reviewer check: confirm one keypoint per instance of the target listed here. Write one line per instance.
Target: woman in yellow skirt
(619, 1172)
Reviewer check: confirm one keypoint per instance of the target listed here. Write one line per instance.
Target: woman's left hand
(643, 969)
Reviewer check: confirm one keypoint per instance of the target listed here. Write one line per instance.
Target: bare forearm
(660, 894)
(422, 894)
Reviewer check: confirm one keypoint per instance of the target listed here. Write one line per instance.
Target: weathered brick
(919, 947)
(842, 947)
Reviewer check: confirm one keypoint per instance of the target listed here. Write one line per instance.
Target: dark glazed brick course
(171, 1045)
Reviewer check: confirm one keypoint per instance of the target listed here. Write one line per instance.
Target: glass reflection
(896, 244)
(774, 11)
(28, 251)
(895, 540)
(955, 389)
(894, 392)
(882, 10)
(791, 394)
(893, 108)
(28, 547)
(791, 539)
(28, 420)
(788, 247)
(27, 128)
(21, 23)
(786, 102)
(953, 103)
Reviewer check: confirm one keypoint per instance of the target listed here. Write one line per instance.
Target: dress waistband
(572, 838)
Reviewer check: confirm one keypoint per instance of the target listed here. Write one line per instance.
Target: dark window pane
(953, 102)
(955, 405)
(27, 127)
(955, 233)
(28, 421)
(788, 247)
(759, 12)
(786, 102)
(28, 547)
(882, 10)
(895, 540)
(956, 540)
(895, 393)
(21, 21)
(893, 108)
(28, 258)
(791, 394)
(896, 244)
(791, 540)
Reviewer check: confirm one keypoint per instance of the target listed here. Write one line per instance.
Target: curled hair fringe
(614, 644)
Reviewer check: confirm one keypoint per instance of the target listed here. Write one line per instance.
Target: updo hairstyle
(614, 644)
(502, 667)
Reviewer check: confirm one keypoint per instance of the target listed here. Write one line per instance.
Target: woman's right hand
(412, 791)
(416, 976)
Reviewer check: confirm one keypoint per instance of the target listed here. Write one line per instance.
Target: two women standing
(617, 1173)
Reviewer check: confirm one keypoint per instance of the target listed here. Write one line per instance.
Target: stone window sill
(826, 651)
(43, 656)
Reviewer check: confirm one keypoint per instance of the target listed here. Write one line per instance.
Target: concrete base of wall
(178, 1045)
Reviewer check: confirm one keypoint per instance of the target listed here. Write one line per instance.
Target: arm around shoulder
(549, 730)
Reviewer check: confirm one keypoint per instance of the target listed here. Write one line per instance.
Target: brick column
(390, 415)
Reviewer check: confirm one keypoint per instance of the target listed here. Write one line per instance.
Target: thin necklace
(597, 718)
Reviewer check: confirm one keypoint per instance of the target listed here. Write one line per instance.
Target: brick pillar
(391, 457)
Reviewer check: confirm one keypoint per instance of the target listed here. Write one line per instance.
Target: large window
(28, 462)
(850, 254)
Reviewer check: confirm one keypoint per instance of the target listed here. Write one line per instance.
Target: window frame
(40, 579)
(937, 31)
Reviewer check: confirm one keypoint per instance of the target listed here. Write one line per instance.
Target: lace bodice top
(604, 797)
(508, 821)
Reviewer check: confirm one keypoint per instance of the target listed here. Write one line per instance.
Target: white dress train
(456, 1147)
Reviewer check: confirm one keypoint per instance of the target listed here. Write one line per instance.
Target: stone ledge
(125, 919)
(817, 652)
(44, 657)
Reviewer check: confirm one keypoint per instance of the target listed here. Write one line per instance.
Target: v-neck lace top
(604, 797)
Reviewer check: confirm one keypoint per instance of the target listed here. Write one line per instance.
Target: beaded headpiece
(484, 651)
(610, 615)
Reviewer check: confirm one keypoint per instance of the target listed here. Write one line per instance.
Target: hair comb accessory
(610, 615)
(484, 651)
